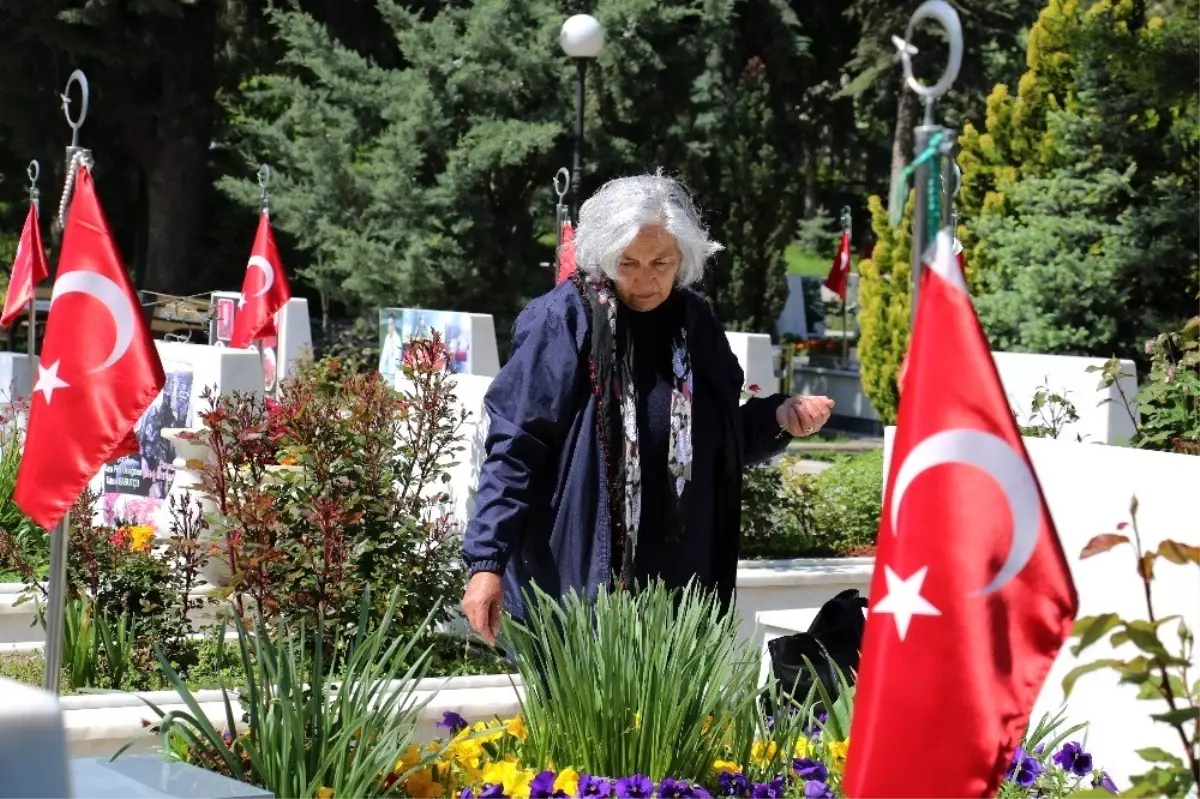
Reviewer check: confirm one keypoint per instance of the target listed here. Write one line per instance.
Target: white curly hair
(612, 217)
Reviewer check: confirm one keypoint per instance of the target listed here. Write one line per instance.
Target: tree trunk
(810, 177)
(176, 166)
(902, 138)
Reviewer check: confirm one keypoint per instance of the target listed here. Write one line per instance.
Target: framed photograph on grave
(135, 486)
(398, 325)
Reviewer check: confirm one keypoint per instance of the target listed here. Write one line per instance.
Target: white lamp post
(582, 38)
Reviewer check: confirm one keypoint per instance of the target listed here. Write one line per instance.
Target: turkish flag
(839, 271)
(971, 597)
(566, 253)
(902, 372)
(265, 289)
(99, 370)
(28, 269)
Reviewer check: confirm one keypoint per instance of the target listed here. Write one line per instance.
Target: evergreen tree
(885, 308)
(1081, 197)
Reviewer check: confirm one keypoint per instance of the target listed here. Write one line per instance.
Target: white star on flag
(904, 600)
(48, 380)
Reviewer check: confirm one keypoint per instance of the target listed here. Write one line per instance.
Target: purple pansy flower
(492, 791)
(1024, 770)
(542, 785)
(697, 792)
(465, 793)
(636, 787)
(1073, 759)
(594, 786)
(452, 721)
(809, 769)
(768, 790)
(672, 789)
(731, 784)
(817, 789)
(1102, 780)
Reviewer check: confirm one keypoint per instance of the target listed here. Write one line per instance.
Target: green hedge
(830, 514)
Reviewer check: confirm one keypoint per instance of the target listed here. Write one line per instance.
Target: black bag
(835, 636)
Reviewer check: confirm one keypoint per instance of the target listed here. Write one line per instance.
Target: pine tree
(1016, 141)
(885, 308)
(1081, 199)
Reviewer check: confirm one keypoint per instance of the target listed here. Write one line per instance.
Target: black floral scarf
(611, 371)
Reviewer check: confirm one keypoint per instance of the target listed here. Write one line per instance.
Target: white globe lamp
(582, 36)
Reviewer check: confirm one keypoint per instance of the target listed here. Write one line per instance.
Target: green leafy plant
(1160, 673)
(98, 649)
(847, 499)
(776, 512)
(1050, 412)
(644, 682)
(305, 728)
(338, 484)
(24, 547)
(1169, 401)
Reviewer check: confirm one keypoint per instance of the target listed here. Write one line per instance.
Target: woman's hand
(481, 604)
(803, 416)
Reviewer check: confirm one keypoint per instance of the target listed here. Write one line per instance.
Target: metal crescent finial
(943, 13)
(562, 184)
(34, 171)
(84, 94)
(264, 183)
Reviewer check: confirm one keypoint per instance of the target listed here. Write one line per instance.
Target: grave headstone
(470, 339)
(33, 744)
(753, 351)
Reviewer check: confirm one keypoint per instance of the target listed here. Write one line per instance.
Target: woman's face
(647, 269)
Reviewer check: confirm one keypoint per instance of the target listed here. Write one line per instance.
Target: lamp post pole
(577, 166)
(581, 39)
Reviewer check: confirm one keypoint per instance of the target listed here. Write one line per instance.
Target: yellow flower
(837, 752)
(567, 781)
(494, 730)
(762, 754)
(140, 536)
(324, 793)
(466, 750)
(422, 785)
(508, 775)
(803, 748)
(726, 767)
(516, 727)
(408, 760)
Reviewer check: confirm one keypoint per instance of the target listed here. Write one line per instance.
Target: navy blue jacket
(541, 510)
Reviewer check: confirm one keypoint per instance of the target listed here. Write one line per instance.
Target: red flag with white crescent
(971, 588)
(839, 271)
(265, 289)
(98, 372)
(28, 269)
(566, 253)
(962, 267)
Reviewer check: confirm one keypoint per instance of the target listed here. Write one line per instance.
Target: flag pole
(930, 208)
(56, 579)
(847, 231)
(562, 186)
(34, 170)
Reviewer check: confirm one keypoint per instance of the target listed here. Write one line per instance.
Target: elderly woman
(617, 437)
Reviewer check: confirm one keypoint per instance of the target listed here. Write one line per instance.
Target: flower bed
(640, 728)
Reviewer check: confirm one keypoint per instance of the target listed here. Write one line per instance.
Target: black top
(659, 555)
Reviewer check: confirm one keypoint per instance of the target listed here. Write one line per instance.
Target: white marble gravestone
(1103, 418)
(33, 744)
(753, 351)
